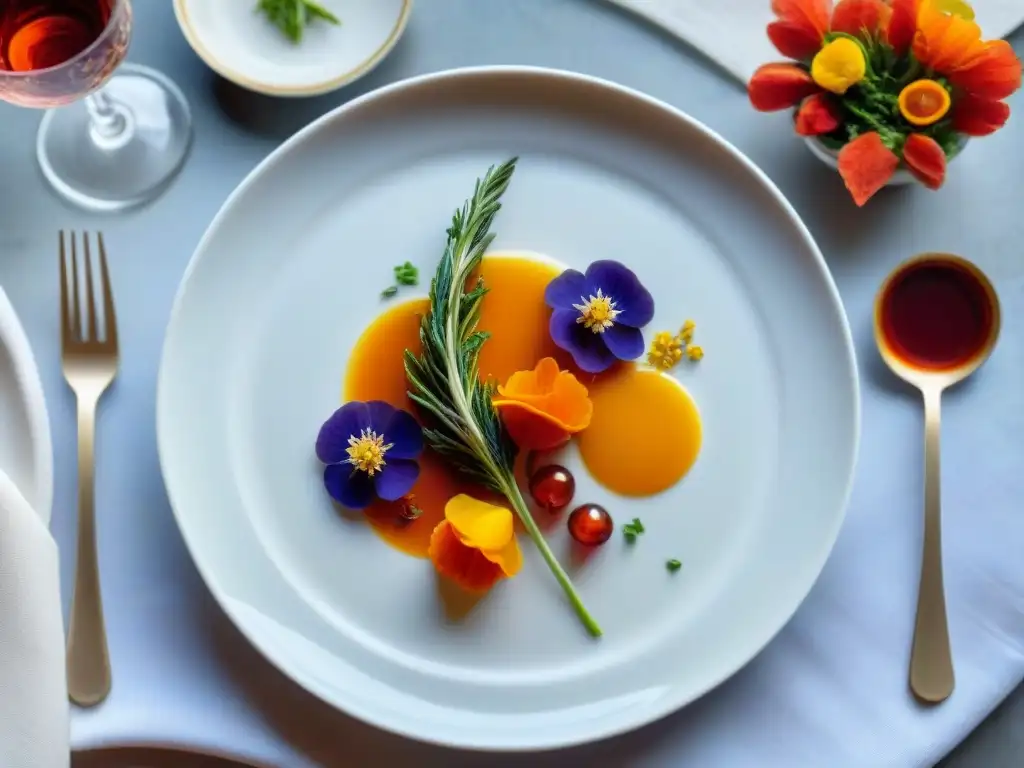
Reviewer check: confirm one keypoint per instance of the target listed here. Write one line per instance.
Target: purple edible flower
(598, 315)
(370, 450)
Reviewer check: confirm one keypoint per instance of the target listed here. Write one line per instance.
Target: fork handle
(88, 661)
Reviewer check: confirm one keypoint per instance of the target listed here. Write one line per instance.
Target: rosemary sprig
(444, 380)
(292, 16)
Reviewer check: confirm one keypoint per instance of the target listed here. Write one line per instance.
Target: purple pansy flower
(370, 450)
(598, 315)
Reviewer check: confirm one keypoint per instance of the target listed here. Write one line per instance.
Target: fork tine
(76, 320)
(108, 295)
(90, 298)
(65, 305)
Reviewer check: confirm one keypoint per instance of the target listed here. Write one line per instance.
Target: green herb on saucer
(292, 16)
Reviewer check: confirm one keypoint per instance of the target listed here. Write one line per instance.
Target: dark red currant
(552, 487)
(591, 524)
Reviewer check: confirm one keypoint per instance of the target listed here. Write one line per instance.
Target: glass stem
(107, 124)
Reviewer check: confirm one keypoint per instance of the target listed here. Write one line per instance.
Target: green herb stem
(444, 380)
(515, 496)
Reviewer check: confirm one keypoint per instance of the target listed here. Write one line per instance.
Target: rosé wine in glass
(109, 141)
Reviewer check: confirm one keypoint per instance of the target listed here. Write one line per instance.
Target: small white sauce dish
(242, 45)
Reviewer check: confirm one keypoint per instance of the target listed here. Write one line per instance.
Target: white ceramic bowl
(830, 157)
(242, 46)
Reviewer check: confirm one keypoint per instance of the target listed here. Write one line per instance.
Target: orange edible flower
(475, 545)
(975, 116)
(924, 102)
(817, 115)
(902, 25)
(925, 159)
(946, 42)
(779, 86)
(857, 17)
(542, 408)
(866, 164)
(994, 73)
(800, 26)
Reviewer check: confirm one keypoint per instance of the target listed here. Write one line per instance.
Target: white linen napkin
(33, 688)
(732, 32)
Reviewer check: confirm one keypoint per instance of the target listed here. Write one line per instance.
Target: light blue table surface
(151, 587)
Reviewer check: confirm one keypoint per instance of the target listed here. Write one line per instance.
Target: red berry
(552, 487)
(591, 524)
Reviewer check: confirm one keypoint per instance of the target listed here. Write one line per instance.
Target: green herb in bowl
(292, 16)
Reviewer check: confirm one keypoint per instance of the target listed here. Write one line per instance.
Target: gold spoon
(936, 321)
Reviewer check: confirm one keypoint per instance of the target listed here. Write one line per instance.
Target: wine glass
(122, 143)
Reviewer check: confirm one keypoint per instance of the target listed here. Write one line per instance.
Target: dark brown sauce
(936, 314)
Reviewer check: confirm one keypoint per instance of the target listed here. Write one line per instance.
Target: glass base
(131, 167)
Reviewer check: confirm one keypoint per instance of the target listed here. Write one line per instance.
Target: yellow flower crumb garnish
(686, 333)
(666, 350)
(694, 352)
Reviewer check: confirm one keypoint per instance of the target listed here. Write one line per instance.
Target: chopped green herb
(673, 565)
(407, 274)
(633, 529)
(388, 292)
(292, 16)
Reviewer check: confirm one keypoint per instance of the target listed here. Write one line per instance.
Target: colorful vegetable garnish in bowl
(889, 89)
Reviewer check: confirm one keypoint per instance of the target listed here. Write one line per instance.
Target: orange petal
(543, 407)
(527, 385)
(866, 164)
(861, 18)
(994, 74)
(530, 428)
(945, 42)
(902, 25)
(779, 86)
(817, 115)
(925, 159)
(976, 116)
(466, 566)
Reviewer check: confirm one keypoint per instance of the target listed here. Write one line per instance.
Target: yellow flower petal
(509, 558)
(478, 524)
(839, 65)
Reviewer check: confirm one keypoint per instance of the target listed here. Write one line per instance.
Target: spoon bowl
(936, 321)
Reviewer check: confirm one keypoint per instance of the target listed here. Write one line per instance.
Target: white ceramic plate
(242, 46)
(287, 277)
(25, 451)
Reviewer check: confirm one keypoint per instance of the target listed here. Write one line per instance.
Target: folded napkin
(731, 32)
(33, 689)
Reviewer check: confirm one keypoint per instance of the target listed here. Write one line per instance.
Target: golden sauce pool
(515, 315)
(645, 433)
(644, 436)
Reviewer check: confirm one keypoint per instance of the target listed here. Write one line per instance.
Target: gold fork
(90, 363)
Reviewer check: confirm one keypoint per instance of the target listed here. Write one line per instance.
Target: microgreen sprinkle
(388, 292)
(632, 529)
(673, 565)
(407, 274)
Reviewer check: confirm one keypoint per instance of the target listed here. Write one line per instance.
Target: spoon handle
(931, 661)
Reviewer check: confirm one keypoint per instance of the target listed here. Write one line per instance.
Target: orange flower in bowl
(542, 408)
(475, 545)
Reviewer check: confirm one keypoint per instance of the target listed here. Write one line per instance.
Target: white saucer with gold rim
(242, 45)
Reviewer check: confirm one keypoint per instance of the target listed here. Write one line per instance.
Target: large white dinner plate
(25, 451)
(289, 274)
